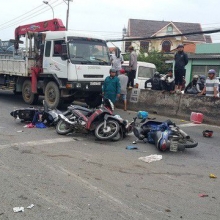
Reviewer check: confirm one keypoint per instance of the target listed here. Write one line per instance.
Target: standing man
(123, 79)
(181, 60)
(211, 85)
(111, 88)
(132, 66)
(117, 60)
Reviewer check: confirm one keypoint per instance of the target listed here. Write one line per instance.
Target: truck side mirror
(64, 54)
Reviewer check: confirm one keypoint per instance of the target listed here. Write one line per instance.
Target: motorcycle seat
(80, 108)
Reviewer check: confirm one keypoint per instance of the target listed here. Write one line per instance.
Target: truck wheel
(94, 100)
(29, 97)
(52, 95)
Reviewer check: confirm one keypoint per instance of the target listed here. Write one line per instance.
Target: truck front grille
(93, 76)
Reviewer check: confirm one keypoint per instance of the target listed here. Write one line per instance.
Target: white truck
(59, 64)
(144, 72)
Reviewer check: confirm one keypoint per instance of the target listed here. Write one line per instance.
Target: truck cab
(144, 72)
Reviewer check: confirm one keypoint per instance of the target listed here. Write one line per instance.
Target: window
(170, 29)
(203, 70)
(145, 72)
(144, 45)
(166, 46)
(57, 49)
(86, 51)
(48, 48)
(127, 44)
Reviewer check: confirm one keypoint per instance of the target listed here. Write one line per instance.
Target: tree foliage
(155, 57)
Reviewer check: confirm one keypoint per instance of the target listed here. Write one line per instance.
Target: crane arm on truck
(49, 25)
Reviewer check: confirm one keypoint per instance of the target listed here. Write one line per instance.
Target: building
(149, 28)
(207, 56)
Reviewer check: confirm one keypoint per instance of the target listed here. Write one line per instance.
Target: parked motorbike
(165, 135)
(31, 114)
(85, 120)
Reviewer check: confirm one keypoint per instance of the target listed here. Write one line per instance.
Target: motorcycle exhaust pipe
(185, 135)
(67, 120)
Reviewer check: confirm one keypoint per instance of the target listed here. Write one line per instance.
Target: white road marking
(189, 125)
(38, 142)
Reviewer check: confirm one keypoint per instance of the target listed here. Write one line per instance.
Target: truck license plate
(95, 83)
(173, 145)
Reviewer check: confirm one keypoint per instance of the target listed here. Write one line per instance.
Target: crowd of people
(116, 84)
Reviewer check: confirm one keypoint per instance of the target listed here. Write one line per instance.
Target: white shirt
(116, 62)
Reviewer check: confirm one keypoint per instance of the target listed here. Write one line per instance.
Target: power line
(165, 36)
(28, 17)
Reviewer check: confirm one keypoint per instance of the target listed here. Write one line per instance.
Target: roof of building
(204, 56)
(138, 27)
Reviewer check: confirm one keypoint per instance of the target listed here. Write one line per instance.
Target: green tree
(155, 57)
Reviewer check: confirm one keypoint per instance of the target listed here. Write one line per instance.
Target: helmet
(195, 77)
(156, 74)
(112, 70)
(202, 77)
(211, 71)
(180, 45)
(170, 70)
(142, 115)
(207, 133)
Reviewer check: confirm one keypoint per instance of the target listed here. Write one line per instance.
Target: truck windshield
(82, 51)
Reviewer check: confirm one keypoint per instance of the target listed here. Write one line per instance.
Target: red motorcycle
(84, 120)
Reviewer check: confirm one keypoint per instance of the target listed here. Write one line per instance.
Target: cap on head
(122, 71)
(170, 70)
(211, 71)
(180, 46)
(195, 77)
(112, 70)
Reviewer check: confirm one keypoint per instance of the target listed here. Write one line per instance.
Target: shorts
(123, 97)
(179, 74)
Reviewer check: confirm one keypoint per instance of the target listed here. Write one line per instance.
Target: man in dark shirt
(181, 60)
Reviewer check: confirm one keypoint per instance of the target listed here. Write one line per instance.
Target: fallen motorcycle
(124, 130)
(165, 135)
(85, 120)
(44, 114)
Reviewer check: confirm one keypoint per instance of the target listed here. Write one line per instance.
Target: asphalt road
(76, 177)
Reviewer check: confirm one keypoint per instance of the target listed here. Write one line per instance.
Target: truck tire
(52, 95)
(29, 97)
(93, 100)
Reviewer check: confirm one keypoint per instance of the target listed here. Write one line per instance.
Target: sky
(108, 17)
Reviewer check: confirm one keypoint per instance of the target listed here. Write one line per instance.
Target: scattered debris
(18, 209)
(134, 142)
(182, 120)
(151, 158)
(203, 195)
(211, 175)
(30, 206)
(20, 131)
(131, 148)
(167, 210)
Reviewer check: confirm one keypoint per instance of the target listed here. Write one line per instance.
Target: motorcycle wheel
(187, 143)
(118, 137)
(63, 128)
(111, 131)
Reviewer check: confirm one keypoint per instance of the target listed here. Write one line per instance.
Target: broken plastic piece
(211, 175)
(131, 148)
(203, 195)
(30, 206)
(18, 209)
(151, 158)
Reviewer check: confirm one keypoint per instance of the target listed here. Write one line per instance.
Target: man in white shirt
(211, 85)
(117, 60)
(167, 82)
